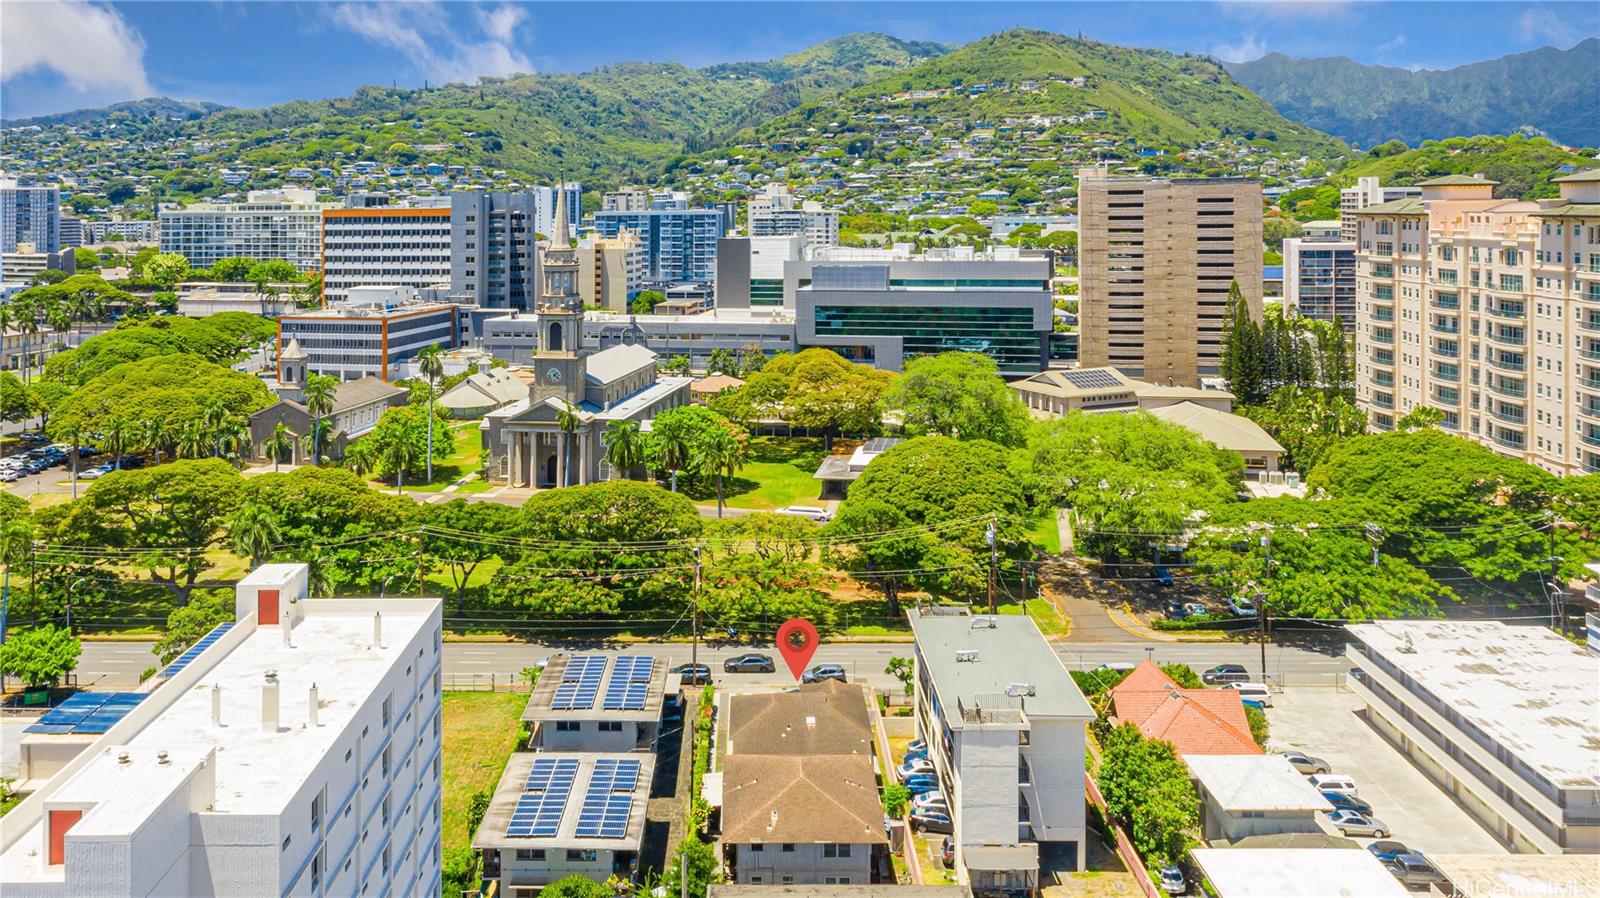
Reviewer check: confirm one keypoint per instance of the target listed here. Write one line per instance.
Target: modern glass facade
(680, 245)
(1006, 335)
(766, 291)
(1324, 285)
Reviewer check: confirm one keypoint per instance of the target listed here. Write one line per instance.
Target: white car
(1333, 782)
(809, 512)
(1252, 694)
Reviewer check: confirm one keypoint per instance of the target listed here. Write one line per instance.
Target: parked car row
(754, 662)
(1237, 606)
(34, 461)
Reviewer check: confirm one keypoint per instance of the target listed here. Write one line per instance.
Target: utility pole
(1553, 588)
(419, 565)
(683, 873)
(694, 611)
(1375, 536)
(994, 556)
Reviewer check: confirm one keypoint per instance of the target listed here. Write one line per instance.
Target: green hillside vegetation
(839, 63)
(147, 110)
(1524, 166)
(1548, 91)
(1159, 98)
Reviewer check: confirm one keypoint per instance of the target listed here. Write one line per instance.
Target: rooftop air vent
(966, 654)
(1016, 689)
(982, 623)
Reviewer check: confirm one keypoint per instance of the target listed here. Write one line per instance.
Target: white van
(810, 513)
(1252, 694)
(1333, 782)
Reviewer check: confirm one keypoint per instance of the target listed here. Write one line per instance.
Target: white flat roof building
(298, 754)
(1296, 873)
(1253, 795)
(1005, 728)
(1508, 715)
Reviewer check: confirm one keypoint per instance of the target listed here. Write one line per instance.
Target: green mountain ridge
(1152, 96)
(133, 110)
(1524, 166)
(1545, 91)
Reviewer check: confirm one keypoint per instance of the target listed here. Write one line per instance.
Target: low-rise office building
(1005, 727)
(1504, 717)
(357, 406)
(564, 814)
(370, 333)
(886, 313)
(594, 703)
(695, 336)
(750, 270)
(294, 751)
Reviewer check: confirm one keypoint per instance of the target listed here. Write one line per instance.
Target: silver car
(1350, 823)
(1305, 763)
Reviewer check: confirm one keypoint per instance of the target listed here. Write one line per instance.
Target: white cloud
(1245, 50)
(440, 49)
(1392, 44)
(1541, 26)
(91, 47)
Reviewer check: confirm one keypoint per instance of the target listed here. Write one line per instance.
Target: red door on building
(266, 607)
(60, 822)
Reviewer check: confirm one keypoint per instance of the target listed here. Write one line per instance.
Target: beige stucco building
(1489, 311)
(610, 271)
(1156, 258)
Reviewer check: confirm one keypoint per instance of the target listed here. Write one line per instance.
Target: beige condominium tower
(1489, 311)
(1156, 257)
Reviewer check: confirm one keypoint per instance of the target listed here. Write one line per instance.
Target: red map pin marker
(797, 642)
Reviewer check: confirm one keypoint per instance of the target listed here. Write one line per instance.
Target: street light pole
(694, 608)
(989, 534)
(1261, 605)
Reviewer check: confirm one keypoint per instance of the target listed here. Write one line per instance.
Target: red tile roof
(1195, 721)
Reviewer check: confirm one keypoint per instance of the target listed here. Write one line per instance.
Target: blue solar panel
(630, 682)
(538, 811)
(194, 651)
(609, 800)
(87, 712)
(580, 683)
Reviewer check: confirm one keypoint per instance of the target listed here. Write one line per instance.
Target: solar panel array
(609, 801)
(1090, 379)
(580, 683)
(880, 444)
(630, 683)
(87, 712)
(539, 808)
(194, 651)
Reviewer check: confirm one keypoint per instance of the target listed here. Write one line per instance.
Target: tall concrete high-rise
(545, 206)
(1366, 192)
(680, 245)
(1487, 310)
(1156, 258)
(391, 246)
(493, 260)
(29, 214)
(269, 224)
(610, 270)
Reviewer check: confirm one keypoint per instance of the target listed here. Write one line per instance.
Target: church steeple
(559, 364)
(558, 232)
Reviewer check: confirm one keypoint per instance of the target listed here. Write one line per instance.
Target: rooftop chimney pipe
(269, 703)
(377, 629)
(216, 704)
(313, 709)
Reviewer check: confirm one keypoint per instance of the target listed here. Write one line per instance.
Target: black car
(693, 674)
(1225, 673)
(931, 822)
(824, 672)
(751, 662)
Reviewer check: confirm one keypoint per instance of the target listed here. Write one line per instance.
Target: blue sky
(71, 54)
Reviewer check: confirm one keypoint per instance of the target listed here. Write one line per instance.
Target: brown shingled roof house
(800, 799)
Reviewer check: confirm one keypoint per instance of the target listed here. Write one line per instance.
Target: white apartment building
(544, 206)
(392, 246)
(1319, 279)
(1489, 311)
(611, 271)
(1503, 717)
(298, 754)
(29, 215)
(270, 224)
(1004, 725)
(819, 226)
(1367, 192)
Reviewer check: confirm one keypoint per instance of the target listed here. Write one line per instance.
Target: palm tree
(16, 536)
(233, 436)
(673, 450)
(569, 422)
(254, 528)
(624, 447)
(318, 401)
(192, 440)
(155, 436)
(430, 361)
(212, 417)
(361, 457)
(722, 452)
(60, 319)
(279, 444)
(399, 455)
(118, 437)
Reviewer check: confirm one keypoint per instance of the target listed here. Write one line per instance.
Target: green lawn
(480, 732)
(465, 460)
(1045, 533)
(1050, 621)
(777, 474)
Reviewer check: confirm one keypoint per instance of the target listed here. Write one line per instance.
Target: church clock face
(553, 375)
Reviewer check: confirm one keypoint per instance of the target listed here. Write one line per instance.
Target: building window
(580, 854)
(316, 814)
(610, 726)
(787, 879)
(836, 880)
(388, 709)
(530, 854)
(835, 849)
(567, 726)
(788, 846)
(758, 847)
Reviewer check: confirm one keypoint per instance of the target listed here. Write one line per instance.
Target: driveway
(1327, 723)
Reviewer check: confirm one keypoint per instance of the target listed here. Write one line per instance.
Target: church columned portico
(537, 456)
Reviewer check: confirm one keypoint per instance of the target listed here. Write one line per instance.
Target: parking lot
(1324, 723)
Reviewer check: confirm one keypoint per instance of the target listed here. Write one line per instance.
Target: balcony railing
(1590, 352)
(1447, 352)
(1590, 408)
(1517, 417)
(1505, 364)
(1383, 314)
(1508, 339)
(1443, 327)
(1504, 310)
(1447, 395)
(1592, 437)
(1448, 373)
(1381, 402)
(1386, 339)
(1453, 304)
(1511, 388)
(1589, 324)
(1382, 379)
(1517, 441)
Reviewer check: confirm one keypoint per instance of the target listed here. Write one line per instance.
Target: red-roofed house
(1195, 721)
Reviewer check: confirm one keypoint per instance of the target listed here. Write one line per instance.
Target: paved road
(111, 664)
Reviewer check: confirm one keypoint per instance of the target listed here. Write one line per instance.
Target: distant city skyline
(75, 54)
